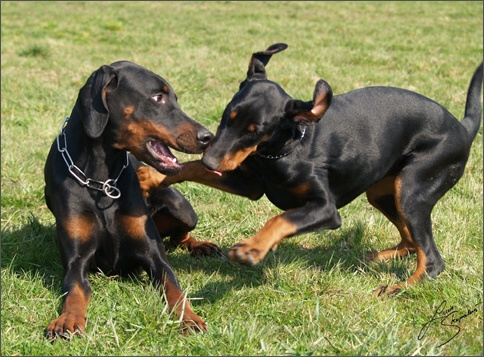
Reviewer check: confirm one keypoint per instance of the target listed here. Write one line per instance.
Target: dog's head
(136, 110)
(257, 111)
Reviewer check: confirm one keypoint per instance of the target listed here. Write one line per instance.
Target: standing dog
(91, 187)
(401, 148)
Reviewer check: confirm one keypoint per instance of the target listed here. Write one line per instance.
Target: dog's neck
(282, 142)
(94, 163)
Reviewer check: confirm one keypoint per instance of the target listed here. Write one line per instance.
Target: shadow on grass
(345, 250)
(33, 250)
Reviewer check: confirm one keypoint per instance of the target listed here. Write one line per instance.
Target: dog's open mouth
(163, 160)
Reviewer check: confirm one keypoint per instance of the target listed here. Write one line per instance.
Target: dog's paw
(200, 248)
(206, 248)
(246, 254)
(194, 324)
(385, 290)
(148, 178)
(65, 326)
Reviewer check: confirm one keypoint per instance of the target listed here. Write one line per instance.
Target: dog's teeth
(174, 159)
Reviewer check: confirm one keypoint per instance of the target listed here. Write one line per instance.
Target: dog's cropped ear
(258, 61)
(92, 98)
(323, 95)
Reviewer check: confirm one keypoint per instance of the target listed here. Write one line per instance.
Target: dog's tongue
(216, 172)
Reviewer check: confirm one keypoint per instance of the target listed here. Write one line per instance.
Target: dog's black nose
(210, 162)
(204, 137)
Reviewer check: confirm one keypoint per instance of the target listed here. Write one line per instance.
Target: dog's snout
(210, 162)
(204, 137)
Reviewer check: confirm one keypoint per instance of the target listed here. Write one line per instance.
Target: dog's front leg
(164, 277)
(77, 290)
(77, 245)
(240, 181)
(179, 304)
(144, 247)
(72, 320)
(313, 216)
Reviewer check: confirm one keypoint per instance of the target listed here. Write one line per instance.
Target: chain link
(108, 187)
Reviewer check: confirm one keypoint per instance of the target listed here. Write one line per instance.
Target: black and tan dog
(91, 187)
(401, 148)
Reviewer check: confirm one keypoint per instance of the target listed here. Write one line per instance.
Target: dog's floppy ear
(92, 99)
(323, 95)
(257, 69)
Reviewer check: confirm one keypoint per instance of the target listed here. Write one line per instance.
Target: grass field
(314, 295)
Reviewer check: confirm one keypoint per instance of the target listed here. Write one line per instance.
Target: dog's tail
(473, 112)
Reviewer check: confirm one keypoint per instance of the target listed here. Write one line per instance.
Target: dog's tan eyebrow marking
(167, 90)
(128, 111)
(233, 114)
(251, 128)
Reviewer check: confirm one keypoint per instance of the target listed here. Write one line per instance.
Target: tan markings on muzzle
(187, 139)
(132, 136)
(232, 160)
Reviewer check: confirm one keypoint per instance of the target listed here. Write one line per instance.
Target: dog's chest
(287, 195)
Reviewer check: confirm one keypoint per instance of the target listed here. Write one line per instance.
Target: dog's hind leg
(174, 217)
(417, 189)
(382, 196)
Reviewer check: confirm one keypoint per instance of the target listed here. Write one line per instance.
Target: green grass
(314, 295)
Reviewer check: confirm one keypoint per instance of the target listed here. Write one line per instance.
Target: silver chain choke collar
(108, 187)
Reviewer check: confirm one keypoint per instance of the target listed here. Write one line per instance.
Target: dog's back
(375, 131)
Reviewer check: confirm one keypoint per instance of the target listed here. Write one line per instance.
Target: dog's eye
(159, 98)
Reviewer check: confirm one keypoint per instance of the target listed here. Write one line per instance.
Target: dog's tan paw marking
(243, 253)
